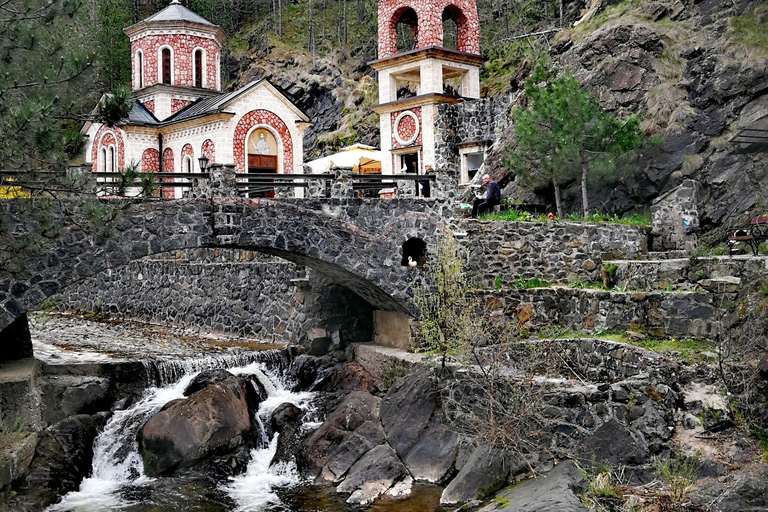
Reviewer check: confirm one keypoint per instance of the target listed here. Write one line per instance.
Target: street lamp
(203, 163)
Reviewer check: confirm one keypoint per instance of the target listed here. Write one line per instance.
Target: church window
(140, 69)
(111, 159)
(103, 154)
(198, 68)
(166, 58)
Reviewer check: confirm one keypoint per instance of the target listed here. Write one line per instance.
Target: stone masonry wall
(232, 291)
(669, 314)
(557, 252)
(475, 120)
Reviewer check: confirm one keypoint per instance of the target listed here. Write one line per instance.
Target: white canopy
(349, 157)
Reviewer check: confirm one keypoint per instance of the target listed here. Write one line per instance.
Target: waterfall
(117, 462)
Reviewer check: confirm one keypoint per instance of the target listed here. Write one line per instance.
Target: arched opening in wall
(139, 69)
(450, 28)
(165, 58)
(414, 252)
(111, 159)
(197, 66)
(407, 31)
(102, 165)
(262, 155)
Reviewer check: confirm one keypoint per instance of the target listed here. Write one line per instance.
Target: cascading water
(117, 463)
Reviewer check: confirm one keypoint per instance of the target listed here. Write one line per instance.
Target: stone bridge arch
(355, 242)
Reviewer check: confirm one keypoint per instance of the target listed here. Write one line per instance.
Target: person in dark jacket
(489, 199)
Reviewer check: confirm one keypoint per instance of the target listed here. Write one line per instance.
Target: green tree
(445, 309)
(45, 77)
(113, 46)
(564, 135)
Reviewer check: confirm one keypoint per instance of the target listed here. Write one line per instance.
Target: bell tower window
(166, 63)
(198, 68)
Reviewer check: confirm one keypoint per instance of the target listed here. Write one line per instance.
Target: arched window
(111, 159)
(165, 57)
(450, 28)
(407, 31)
(103, 158)
(187, 165)
(139, 69)
(197, 66)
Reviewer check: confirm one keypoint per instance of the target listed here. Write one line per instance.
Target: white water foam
(116, 460)
(254, 490)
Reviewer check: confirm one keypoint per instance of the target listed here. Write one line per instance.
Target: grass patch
(762, 441)
(514, 215)
(522, 283)
(750, 33)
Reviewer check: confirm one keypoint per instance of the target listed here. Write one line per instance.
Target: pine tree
(564, 135)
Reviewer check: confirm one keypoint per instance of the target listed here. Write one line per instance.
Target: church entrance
(262, 159)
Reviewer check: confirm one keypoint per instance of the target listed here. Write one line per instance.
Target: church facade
(181, 114)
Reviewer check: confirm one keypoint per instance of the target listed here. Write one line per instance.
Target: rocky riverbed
(576, 424)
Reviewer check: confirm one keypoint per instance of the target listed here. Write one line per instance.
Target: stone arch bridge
(356, 242)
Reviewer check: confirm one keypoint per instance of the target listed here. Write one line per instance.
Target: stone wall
(668, 314)
(675, 215)
(557, 252)
(476, 120)
(232, 291)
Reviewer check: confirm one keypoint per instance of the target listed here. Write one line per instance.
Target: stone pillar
(220, 183)
(675, 218)
(342, 185)
(17, 342)
(406, 189)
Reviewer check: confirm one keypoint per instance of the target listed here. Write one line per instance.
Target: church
(181, 114)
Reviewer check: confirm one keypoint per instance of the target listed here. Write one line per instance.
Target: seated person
(487, 200)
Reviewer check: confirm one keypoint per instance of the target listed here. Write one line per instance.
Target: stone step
(667, 255)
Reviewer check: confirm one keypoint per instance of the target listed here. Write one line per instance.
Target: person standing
(490, 198)
(425, 185)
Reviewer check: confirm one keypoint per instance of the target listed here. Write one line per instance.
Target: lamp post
(203, 160)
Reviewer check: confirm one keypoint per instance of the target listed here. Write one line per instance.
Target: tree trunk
(558, 199)
(561, 13)
(584, 196)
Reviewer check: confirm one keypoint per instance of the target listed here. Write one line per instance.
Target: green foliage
(522, 283)
(678, 473)
(497, 283)
(563, 135)
(113, 47)
(445, 310)
(750, 31)
(762, 441)
(115, 107)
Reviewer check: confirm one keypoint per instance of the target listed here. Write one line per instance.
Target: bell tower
(429, 53)
(175, 56)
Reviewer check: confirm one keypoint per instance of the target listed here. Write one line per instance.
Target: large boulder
(407, 408)
(211, 421)
(484, 473)
(357, 408)
(371, 476)
(433, 457)
(555, 490)
(612, 444)
(364, 438)
(62, 459)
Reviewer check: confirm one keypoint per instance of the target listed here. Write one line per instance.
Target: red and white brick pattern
(104, 138)
(430, 24)
(150, 160)
(177, 105)
(406, 128)
(168, 192)
(183, 46)
(149, 105)
(187, 151)
(209, 150)
(264, 118)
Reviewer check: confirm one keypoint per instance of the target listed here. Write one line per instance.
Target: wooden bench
(753, 236)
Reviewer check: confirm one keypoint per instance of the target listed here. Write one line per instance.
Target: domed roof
(177, 12)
